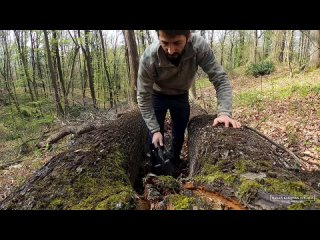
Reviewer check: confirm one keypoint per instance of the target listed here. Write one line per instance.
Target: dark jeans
(179, 108)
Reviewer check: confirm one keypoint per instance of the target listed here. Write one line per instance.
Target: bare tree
(22, 53)
(106, 70)
(60, 73)
(53, 76)
(315, 48)
(211, 39)
(149, 39)
(222, 40)
(133, 62)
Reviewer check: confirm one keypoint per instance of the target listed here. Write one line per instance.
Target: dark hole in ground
(180, 171)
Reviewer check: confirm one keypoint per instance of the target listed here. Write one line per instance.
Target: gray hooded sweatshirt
(157, 74)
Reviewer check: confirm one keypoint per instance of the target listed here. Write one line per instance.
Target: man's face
(173, 46)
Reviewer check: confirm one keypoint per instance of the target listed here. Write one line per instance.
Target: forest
(71, 136)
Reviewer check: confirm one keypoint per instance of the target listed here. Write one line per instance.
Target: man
(166, 72)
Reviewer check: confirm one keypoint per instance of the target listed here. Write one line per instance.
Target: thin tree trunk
(53, 76)
(88, 58)
(33, 62)
(133, 63)
(255, 46)
(41, 76)
(24, 61)
(149, 40)
(315, 49)
(106, 70)
(211, 39)
(283, 44)
(60, 73)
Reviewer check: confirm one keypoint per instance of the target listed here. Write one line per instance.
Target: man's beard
(173, 56)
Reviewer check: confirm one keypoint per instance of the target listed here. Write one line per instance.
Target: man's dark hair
(173, 33)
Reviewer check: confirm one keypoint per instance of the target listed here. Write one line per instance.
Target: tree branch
(299, 161)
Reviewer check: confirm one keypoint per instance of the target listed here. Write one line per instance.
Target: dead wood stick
(297, 159)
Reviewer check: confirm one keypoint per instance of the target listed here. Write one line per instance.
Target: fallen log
(241, 165)
(76, 130)
(98, 172)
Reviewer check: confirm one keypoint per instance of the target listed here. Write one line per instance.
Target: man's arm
(218, 77)
(144, 98)
(220, 81)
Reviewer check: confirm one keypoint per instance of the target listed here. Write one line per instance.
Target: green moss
(297, 188)
(227, 179)
(297, 206)
(241, 166)
(209, 169)
(56, 203)
(103, 186)
(305, 205)
(168, 182)
(246, 187)
(273, 186)
(3, 131)
(180, 202)
(123, 200)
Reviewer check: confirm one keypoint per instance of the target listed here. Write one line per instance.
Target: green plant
(260, 69)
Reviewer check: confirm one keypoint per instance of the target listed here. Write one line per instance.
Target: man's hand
(157, 139)
(226, 120)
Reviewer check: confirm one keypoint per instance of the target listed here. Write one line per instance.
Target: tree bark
(242, 166)
(21, 50)
(53, 76)
(133, 62)
(106, 70)
(315, 49)
(60, 72)
(88, 57)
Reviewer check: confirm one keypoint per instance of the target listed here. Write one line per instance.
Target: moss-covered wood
(98, 172)
(241, 165)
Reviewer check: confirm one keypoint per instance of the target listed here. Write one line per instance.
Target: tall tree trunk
(241, 47)
(41, 76)
(222, 45)
(74, 57)
(255, 46)
(143, 41)
(133, 63)
(211, 39)
(33, 63)
(231, 53)
(283, 44)
(203, 34)
(85, 80)
(149, 40)
(106, 70)
(306, 51)
(60, 72)
(22, 53)
(88, 57)
(53, 76)
(315, 49)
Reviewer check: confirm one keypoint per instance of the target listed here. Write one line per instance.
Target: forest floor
(287, 110)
